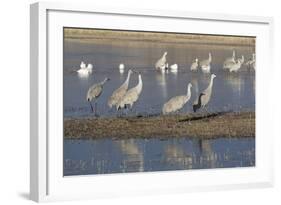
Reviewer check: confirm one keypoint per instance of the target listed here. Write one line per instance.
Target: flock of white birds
(123, 98)
(232, 64)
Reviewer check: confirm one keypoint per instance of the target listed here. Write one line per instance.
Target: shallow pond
(231, 91)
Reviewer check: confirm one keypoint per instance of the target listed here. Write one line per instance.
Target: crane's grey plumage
(228, 61)
(95, 91)
(120, 92)
(194, 65)
(207, 93)
(131, 96)
(161, 63)
(177, 102)
(234, 67)
(206, 64)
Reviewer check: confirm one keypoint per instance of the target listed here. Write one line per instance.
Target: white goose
(174, 68)
(85, 71)
(121, 68)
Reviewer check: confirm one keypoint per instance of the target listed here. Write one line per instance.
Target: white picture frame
(46, 181)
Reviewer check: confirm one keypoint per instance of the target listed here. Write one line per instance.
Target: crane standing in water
(120, 92)
(176, 103)
(161, 63)
(94, 92)
(205, 98)
(131, 96)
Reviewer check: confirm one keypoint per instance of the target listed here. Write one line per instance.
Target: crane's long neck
(128, 78)
(211, 84)
(210, 57)
(126, 83)
(188, 91)
(139, 86)
(164, 57)
(233, 54)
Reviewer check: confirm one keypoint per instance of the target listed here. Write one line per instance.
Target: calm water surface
(230, 92)
(140, 155)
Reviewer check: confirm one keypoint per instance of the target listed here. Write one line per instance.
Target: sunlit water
(231, 92)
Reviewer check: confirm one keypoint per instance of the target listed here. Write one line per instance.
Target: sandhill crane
(121, 68)
(174, 68)
(94, 92)
(120, 92)
(229, 60)
(131, 96)
(161, 63)
(84, 70)
(194, 65)
(252, 61)
(234, 67)
(207, 93)
(177, 102)
(206, 64)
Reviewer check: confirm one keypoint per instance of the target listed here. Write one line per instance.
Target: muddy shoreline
(201, 125)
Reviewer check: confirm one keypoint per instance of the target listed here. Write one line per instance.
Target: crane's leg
(131, 108)
(127, 109)
(92, 109)
(96, 109)
(206, 110)
(118, 113)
